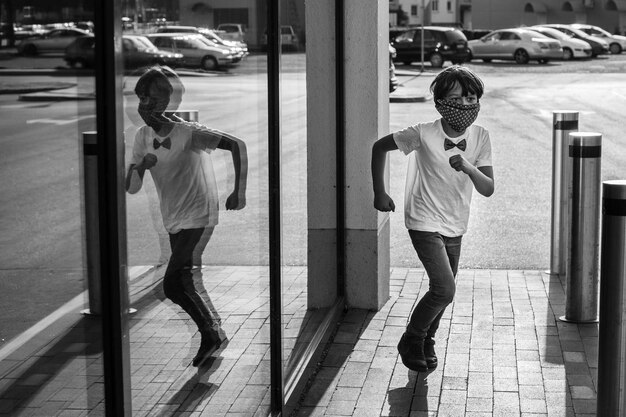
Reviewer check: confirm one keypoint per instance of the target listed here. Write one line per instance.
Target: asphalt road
(41, 256)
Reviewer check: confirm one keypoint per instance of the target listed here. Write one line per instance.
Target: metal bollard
(90, 184)
(611, 371)
(187, 115)
(92, 232)
(581, 304)
(564, 122)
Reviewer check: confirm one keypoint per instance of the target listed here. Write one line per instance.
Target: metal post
(90, 186)
(92, 233)
(187, 115)
(581, 304)
(564, 122)
(611, 372)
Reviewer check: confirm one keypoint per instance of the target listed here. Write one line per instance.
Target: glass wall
(50, 353)
(196, 158)
(205, 352)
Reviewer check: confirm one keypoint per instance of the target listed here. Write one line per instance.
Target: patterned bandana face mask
(458, 116)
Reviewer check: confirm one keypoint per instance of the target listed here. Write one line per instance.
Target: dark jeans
(178, 283)
(440, 257)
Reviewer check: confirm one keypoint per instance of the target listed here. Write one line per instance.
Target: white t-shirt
(183, 176)
(437, 197)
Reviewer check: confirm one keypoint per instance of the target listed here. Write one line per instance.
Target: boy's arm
(204, 138)
(238, 150)
(482, 177)
(382, 200)
(134, 176)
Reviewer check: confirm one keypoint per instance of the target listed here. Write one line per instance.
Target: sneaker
(210, 342)
(411, 349)
(429, 353)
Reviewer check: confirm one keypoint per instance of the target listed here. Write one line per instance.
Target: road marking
(60, 122)
(74, 304)
(619, 95)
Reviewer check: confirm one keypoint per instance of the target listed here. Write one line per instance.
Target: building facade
(496, 14)
(436, 12)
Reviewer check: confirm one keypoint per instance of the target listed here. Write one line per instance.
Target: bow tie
(448, 144)
(167, 143)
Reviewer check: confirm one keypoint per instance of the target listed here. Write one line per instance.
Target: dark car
(440, 44)
(137, 51)
(472, 34)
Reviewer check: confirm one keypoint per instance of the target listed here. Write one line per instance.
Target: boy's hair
(446, 80)
(157, 75)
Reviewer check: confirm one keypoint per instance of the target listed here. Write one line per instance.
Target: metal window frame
(275, 218)
(112, 209)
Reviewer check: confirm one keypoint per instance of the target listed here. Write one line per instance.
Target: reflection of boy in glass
(174, 152)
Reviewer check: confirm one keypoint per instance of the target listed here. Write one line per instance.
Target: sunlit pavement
(502, 352)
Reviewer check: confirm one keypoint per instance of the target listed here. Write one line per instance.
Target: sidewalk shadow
(574, 347)
(188, 397)
(340, 345)
(412, 397)
(79, 351)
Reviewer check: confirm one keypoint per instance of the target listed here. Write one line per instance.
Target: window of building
(414, 10)
(435, 5)
(449, 6)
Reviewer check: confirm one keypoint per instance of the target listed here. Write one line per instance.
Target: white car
(197, 50)
(617, 43)
(572, 47)
(520, 45)
(240, 49)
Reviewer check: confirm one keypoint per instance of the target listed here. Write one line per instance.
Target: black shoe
(411, 349)
(210, 342)
(429, 353)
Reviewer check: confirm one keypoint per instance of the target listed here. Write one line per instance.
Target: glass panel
(50, 354)
(300, 323)
(199, 257)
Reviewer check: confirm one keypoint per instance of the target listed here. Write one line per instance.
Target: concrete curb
(407, 99)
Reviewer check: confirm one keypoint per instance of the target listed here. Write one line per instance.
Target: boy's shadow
(412, 397)
(189, 396)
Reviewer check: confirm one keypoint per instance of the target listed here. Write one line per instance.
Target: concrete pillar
(321, 152)
(367, 119)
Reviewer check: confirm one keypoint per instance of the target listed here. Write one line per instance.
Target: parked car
(520, 45)
(55, 40)
(393, 79)
(598, 45)
(617, 43)
(137, 51)
(472, 34)
(288, 38)
(440, 44)
(197, 50)
(240, 49)
(233, 31)
(572, 47)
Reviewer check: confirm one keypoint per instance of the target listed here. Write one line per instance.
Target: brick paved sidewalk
(502, 352)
